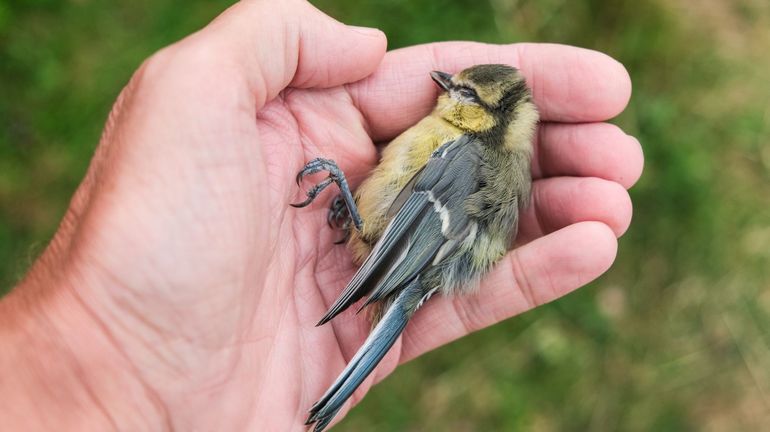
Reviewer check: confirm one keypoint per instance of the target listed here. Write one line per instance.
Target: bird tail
(368, 356)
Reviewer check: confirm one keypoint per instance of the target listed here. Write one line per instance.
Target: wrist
(61, 366)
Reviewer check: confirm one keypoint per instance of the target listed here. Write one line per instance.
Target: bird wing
(430, 224)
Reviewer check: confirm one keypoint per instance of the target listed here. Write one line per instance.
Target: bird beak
(443, 79)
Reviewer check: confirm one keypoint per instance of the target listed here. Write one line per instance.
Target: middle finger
(598, 150)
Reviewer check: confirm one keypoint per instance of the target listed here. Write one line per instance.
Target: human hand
(197, 287)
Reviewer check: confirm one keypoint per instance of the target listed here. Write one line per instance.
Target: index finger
(569, 84)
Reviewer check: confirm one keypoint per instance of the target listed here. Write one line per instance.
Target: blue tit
(440, 209)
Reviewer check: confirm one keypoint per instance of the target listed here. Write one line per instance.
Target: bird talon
(343, 239)
(343, 208)
(313, 192)
(312, 167)
(302, 204)
(338, 216)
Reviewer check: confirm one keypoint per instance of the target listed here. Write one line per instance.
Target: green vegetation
(674, 337)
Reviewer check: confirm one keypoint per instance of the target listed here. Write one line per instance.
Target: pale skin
(181, 290)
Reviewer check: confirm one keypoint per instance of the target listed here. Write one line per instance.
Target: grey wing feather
(376, 264)
(431, 222)
(402, 196)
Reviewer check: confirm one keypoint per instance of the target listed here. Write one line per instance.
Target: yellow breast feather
(401, 160)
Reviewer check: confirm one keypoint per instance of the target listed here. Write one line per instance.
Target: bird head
(483, 97)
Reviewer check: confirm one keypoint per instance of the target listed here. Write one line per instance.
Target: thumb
(271, 45)
(330, 53)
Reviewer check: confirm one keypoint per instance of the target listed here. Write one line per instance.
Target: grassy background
(674, 337)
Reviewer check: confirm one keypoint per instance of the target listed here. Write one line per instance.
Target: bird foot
(343, 209)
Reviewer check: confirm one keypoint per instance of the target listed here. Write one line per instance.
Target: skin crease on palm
(181, 290)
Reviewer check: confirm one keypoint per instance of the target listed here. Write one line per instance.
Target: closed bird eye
(466, 94)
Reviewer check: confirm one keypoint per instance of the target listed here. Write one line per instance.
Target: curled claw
(338, 218)
(338, 215)
(302, 204)
(307, 170)
(313, 192)
(343, 239)
(344, 208)
(314, 166)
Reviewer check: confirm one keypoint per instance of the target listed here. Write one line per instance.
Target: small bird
(440, 209)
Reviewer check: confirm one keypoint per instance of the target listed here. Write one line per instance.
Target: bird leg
(343, 209)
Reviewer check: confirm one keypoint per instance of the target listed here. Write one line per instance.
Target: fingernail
(366, 31)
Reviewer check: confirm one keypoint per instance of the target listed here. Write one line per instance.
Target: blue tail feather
(368, 356)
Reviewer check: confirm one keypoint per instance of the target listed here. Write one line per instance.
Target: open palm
(209, 285)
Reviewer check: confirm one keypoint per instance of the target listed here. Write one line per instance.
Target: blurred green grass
(672, 338)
